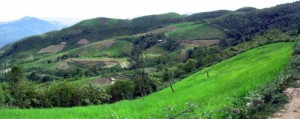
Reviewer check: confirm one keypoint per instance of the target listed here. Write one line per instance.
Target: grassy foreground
(232, 78)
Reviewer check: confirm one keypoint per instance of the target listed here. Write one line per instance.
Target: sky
(70, 11)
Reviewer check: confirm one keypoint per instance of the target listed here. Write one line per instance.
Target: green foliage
(122, 90)
(34, 77)
(67, 94)
(210, 93)
(206, 15)
(94, 94)
(15, 75)
(171, 45)
(197, 32)
(6, 98)
(243, 27)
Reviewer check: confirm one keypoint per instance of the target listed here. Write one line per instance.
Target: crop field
(196, 43)
(232, 78)
(196, 32)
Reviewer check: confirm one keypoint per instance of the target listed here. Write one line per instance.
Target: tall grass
(232, 78)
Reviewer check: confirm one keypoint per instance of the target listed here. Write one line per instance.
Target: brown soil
(103, 81)
(291, 110)
(52, 49)
(195, 43)
(103, 62)
(108, 80)
(83, 42)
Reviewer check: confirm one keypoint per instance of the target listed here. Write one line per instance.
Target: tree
(122, 90)
(190, 65)
(15, 75)
(167, 76)
(94, 94)
(34, 77)
(171, 45)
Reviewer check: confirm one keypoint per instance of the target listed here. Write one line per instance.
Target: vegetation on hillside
(104, 60)
(257, 62)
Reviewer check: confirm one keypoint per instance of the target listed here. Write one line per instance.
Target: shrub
(94, 94)
(122, 90)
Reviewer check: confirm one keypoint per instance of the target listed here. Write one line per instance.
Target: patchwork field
(232, 78)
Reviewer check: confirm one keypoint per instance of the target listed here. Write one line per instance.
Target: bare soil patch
(52, 49)
(291, 110)
(82, 42)
(195, 43)
(102, 62)
(108, 80)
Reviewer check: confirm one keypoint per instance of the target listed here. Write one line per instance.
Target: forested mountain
(27, 26)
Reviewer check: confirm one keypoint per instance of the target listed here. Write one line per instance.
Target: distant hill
(27, 26)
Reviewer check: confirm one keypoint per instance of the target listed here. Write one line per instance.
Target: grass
(116, 49)
(232, 78)
(196, 32)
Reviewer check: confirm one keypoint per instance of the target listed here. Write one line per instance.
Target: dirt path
(291, 110)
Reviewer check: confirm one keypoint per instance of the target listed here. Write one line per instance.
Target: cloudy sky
(73, 10)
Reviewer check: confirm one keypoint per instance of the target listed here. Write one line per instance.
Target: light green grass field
(196, 32)
(232, 78)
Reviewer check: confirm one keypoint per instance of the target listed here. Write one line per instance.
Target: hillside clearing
(196, 43)
(196, 32)
(229, 79)
(52, 49)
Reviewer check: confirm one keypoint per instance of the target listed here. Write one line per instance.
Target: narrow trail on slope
(291, 110)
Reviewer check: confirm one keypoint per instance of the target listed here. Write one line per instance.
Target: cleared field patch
(89, 49)
(83, 42)
(52, 49)
(196, 43)
(166, 29)
(155, 51)
(232, 78)
(196, 32)
(116, 49)
(105, 62)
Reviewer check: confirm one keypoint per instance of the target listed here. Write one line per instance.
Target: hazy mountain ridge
(27, 26)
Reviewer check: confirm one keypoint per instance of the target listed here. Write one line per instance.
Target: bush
(64, 95)
(6, 98)
(94, 94)
(122, 90)
(67, 94)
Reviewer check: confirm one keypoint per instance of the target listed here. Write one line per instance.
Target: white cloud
(84, 9)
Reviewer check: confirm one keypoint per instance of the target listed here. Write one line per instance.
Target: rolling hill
(229, 81)
(15, 30)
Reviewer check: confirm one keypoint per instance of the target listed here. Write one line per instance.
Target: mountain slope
(93, 30)
(27, 26)
(232, 78)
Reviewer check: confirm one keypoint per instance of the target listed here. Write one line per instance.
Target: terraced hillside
(232, 78)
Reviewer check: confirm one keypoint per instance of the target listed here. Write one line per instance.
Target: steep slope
(230, 79)
(27, 26)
